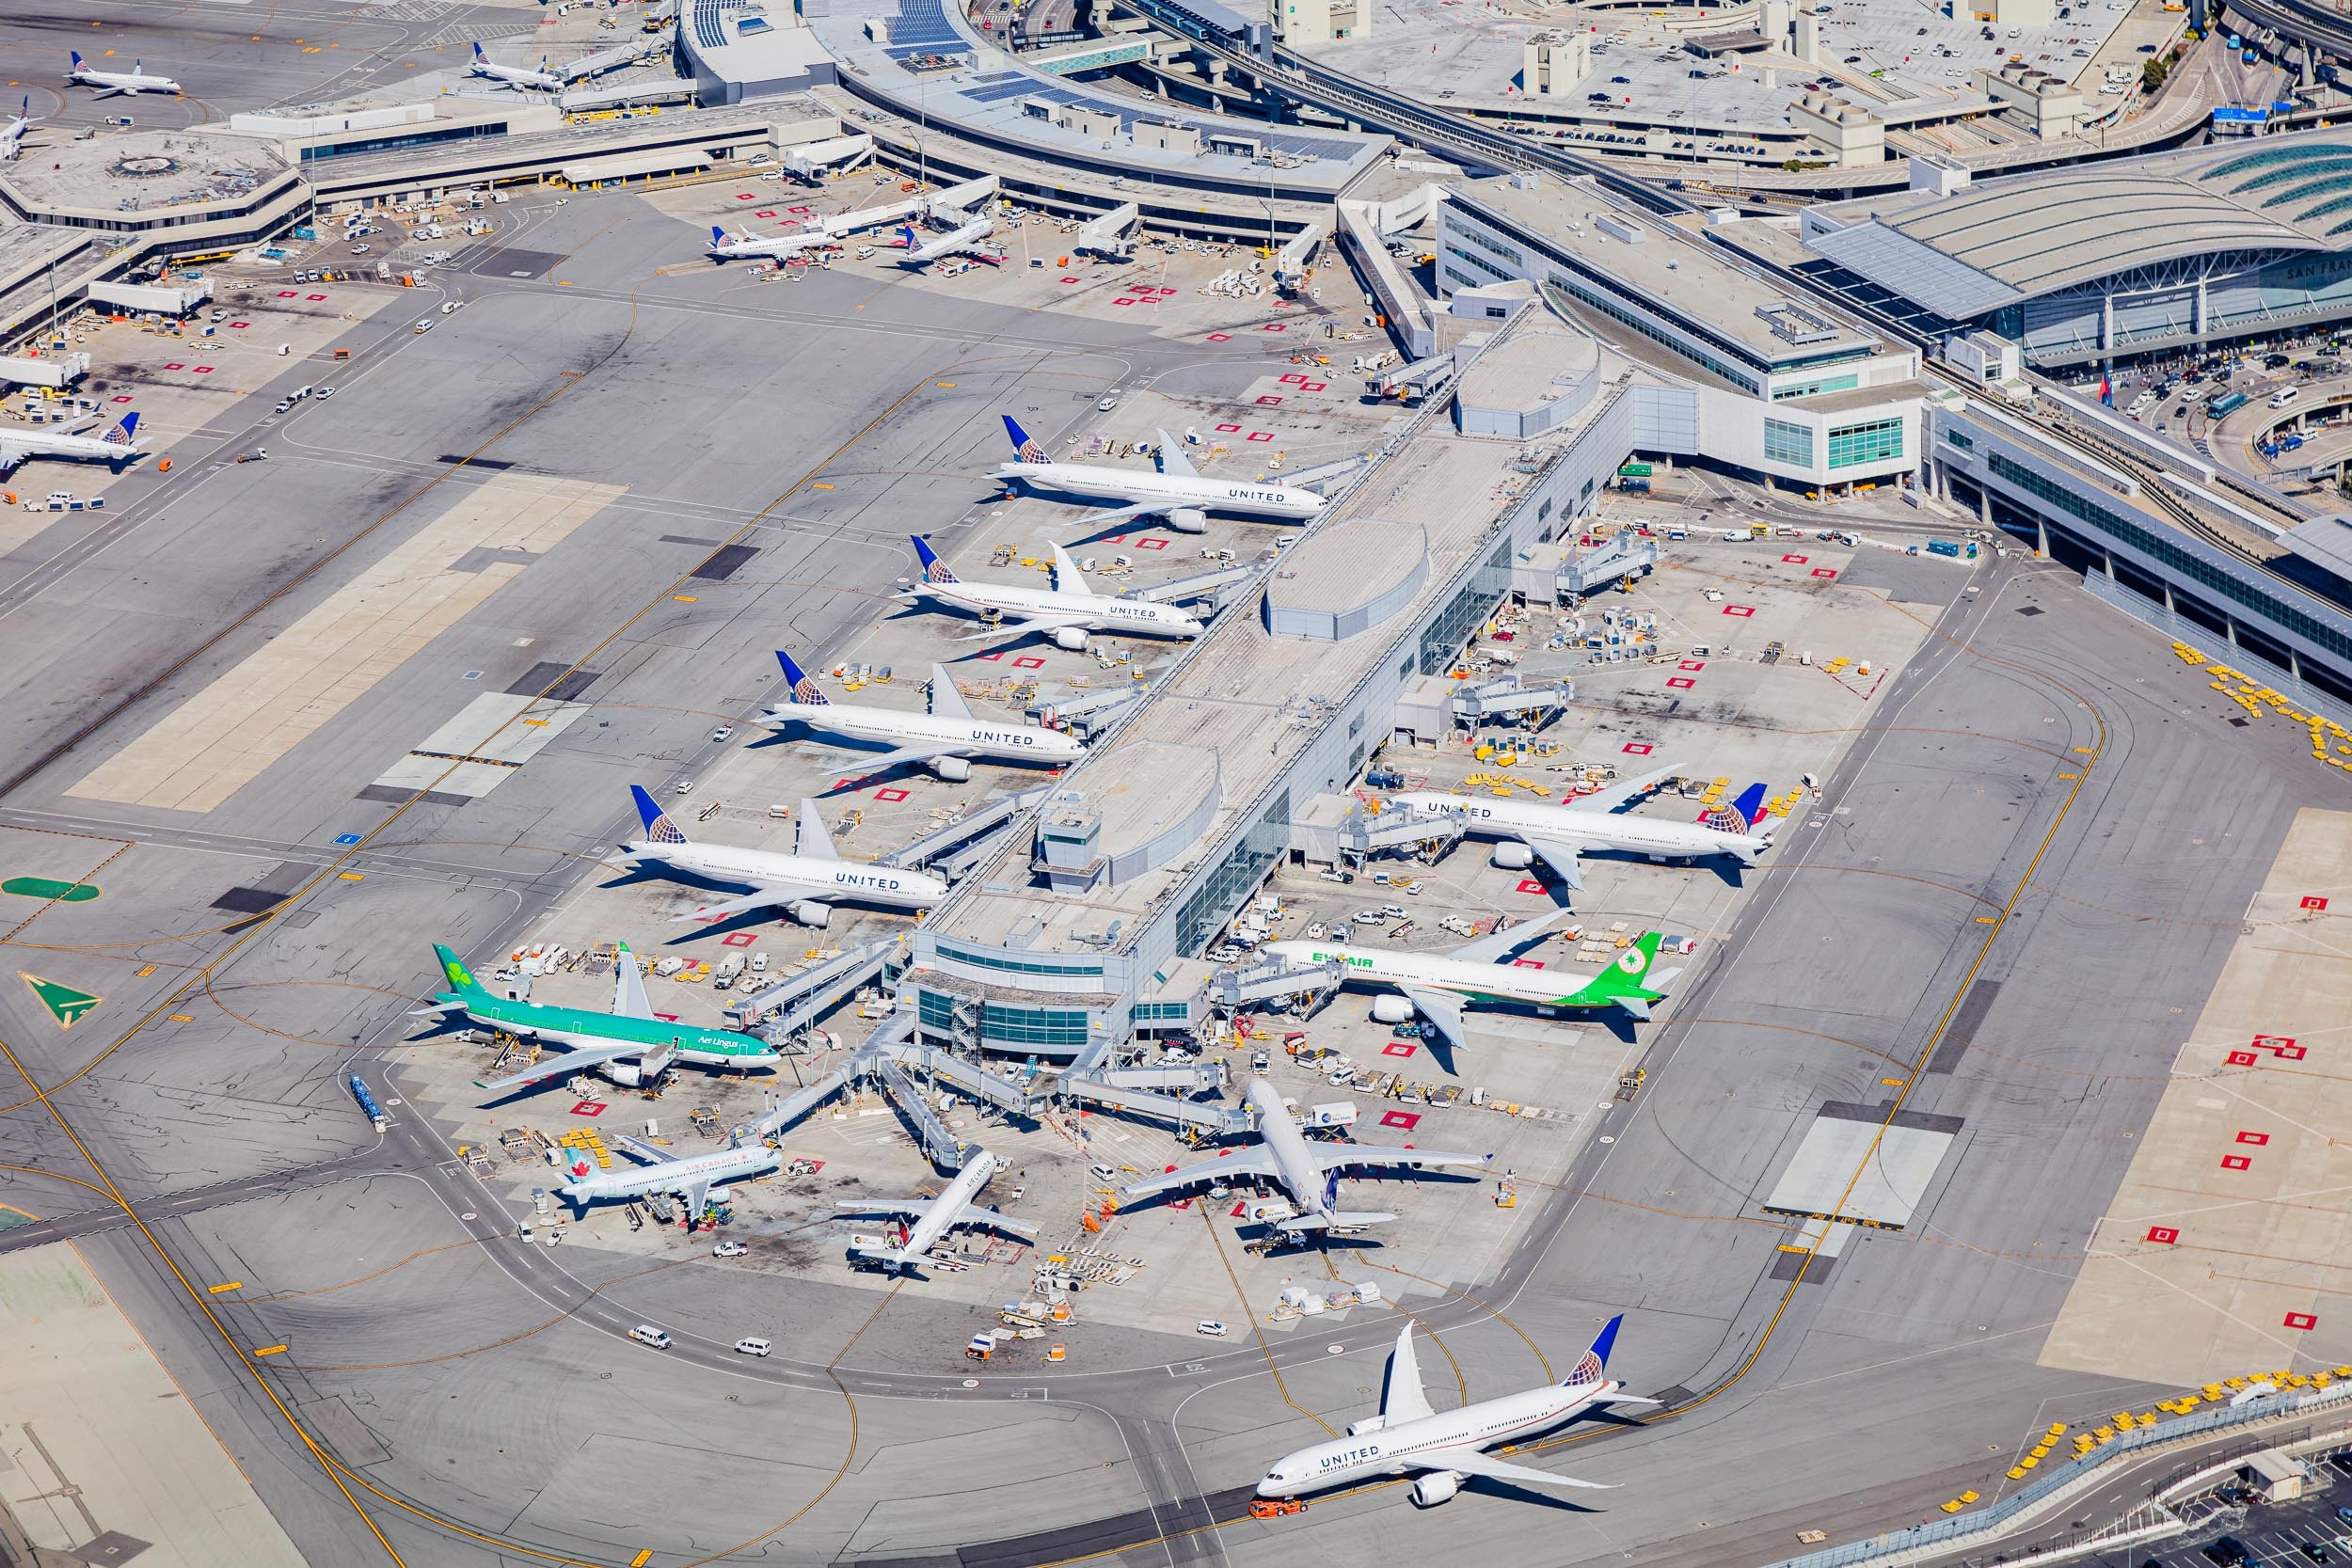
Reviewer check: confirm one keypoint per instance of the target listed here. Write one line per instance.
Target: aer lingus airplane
(1066, 612)
(629, 1045)
(1446, 1450)
(1558, 834)
(1439, 985)
(1177, 493)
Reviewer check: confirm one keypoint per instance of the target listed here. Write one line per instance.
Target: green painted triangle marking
(64, 1002)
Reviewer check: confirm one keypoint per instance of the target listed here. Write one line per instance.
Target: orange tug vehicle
(1275, 1508)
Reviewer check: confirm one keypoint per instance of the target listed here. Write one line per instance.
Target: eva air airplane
(1439, 985)
(629, 1045)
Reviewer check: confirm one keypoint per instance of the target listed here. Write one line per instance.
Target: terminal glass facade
(1206, 909)
(1785, 442)
(1044, 963)
(1451, 626)
(1879, 441)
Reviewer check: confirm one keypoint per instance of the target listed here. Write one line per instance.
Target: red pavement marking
(1229, 430)
(739, 939)
(123, 398)
(1529, 885)
(203, 369)
(1637, 748)
(2272, 1042)
(1030, 663)
(1794, 560)
(890, 795)
(746, 196)
(2255, 1138)
(1692, 664)
(241, 325)
(1399, 1048)
(1216, 337)
(1070, 281)
(1405, 1121)
(2243, 1058)
(1527, 963)
(991, 657)
(2314, 903)
(1314, 385)
(1269, 402)
(177, 365)
(1739, 609)
(589, 1108)
(286, 293)
(1151, 543)
(2301, 1319)
(1272, 326)
(1258, 436)
(1680, 683)
(1824, 571)
(2163, 1233)
(2237, 1162)
(765, 213)
(1294, 380)
(1122, 302)
(314, 298)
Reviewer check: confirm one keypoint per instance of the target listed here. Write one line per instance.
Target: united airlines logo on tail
(663, 830)
(1025, 448)
(1587, 1371)
(935, 571)
(804, 689)
(120, 435)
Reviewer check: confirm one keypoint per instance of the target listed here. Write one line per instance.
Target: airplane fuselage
(124, 81)
(1586, 830)
(18, 446)
(800, 876)
(1392, 1450)
(1014, 743)
(1136, 487)
(714, 1168)
(1478, 982)
(1102, 612)
(577, 1028)
(965, 239)
(780, 245)
(1301, 1178)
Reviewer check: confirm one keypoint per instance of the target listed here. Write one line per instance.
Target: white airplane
(744, 247)
(1309, 1173)
(965, 241)
(109, 83)
(1559, 835)
(690, 1177)
(934, 1217)
(801, 884)
(1439, 985)
(1176, 491)
(514, 75)
(12, 134)
(119, 447)
(1446, 1449)
(1066, 612)
(944, 739)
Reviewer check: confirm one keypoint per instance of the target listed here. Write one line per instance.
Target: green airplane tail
(460, 978)
(1628, 976)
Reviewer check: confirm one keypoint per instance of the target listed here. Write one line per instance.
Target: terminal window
(1815, 387)
(1875, 442)
(1788, 443)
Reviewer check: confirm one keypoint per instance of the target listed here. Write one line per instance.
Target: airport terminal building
(2139, 256)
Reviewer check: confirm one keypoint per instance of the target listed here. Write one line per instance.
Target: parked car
(752, 1347)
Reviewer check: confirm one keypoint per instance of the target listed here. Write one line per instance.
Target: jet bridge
(936, 845)
(805, 996)
(1418, 382)
(1273, 979)
(1217, 587)
(1208, 1116)
(862, 1063)
(1108, 236)
(1501, 698)
(944, 1149)
(1400, 833)
(618, 56)
(811, 158)
(954, 200)
(1605, 565)
(1291, 261)
(1206, 1076)
(1092, 710)
(1003, 1093)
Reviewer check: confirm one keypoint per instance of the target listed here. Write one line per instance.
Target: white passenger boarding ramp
(954, 199)
(814, 158)
(1290, 263)
(1108, 236)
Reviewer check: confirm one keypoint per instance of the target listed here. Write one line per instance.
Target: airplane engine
(1392, 1009)
(1188, 519)
(1071, 638)
(808, 912)
(1370, 1423)
(1511, 855)
(1435, 1487)
(953, 769)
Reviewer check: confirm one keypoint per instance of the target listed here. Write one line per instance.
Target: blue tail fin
(1750, 805)
(718, 235)
(906, 232)
(1331, 1191)
(934, 569)
(1595, 1362)
(804, 689)
(479, 58)
(77, 61)
(658, 827)
(120, 435)
(1025, 446)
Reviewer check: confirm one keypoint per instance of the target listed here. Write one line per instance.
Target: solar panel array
(923, 28)
(709, 30)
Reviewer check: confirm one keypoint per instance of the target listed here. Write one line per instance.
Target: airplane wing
(1173, 463)
(1620, 794)
(1340, 1156)
(758, 899)
(1247, 1162)
(1443, 1011)
(1469, 1462)
(1498, 945)
(811, 838)
(105, 93)
(869, 765)
(1121, 515)
(1402, 1397)
(913, 1208)
(1036, 623)
(695, 1194)
(562, 1064)
(1068, 578)
(629, 989)
(974, 1214)
(1561, 857)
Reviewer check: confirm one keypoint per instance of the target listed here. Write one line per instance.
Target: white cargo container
(167, 299)
(50, 370)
